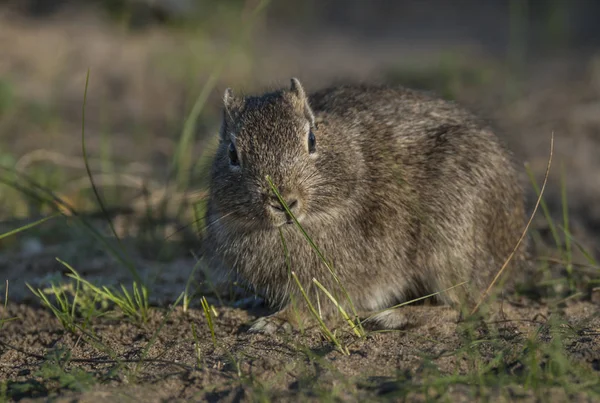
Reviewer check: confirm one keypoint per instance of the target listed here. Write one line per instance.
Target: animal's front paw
(270, 325)
(249, 302)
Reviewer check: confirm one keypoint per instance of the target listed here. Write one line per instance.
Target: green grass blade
(187, 297)
(209, 320)
(122, 300)
(130, 265)
(342, 311)
(316, 315)
(565, 214)
(416, 299)
(196, 346)
(315, 248)
(288, 264)
(182, 160)
(587, 254)
(6, 295)
(27, 226)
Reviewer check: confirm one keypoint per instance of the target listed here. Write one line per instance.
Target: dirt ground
(116, 359)
(244, 367)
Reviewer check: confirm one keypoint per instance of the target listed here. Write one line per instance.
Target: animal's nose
(291, 202)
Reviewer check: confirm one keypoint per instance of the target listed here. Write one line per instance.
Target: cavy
(403, 193)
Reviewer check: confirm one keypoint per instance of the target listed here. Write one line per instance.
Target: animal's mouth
(288, 221)
(284, 223)
(285, 212)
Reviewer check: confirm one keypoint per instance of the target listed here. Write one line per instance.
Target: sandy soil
(286, 367)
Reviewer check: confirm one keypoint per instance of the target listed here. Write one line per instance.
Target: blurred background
(158, 69)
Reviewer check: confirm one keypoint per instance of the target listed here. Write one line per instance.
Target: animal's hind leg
(412, 316)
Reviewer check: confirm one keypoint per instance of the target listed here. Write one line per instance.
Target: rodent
(404, 193)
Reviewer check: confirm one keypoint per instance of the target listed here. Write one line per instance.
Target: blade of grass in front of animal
(288, 263)
(316, 315)
(315, 248)
(415, 300)
(342, 311)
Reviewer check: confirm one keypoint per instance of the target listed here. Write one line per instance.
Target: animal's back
(455, 189)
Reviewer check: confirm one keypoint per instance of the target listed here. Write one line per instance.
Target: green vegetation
(2, 319)
(52, 378)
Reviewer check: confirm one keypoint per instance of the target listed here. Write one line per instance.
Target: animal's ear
(228, 98)
(230, 107)
(301, 100)
(297, 88)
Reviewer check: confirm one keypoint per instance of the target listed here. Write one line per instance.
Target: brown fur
(405, 195)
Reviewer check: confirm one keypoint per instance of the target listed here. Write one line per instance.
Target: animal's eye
(312, 142)
(233, 157)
